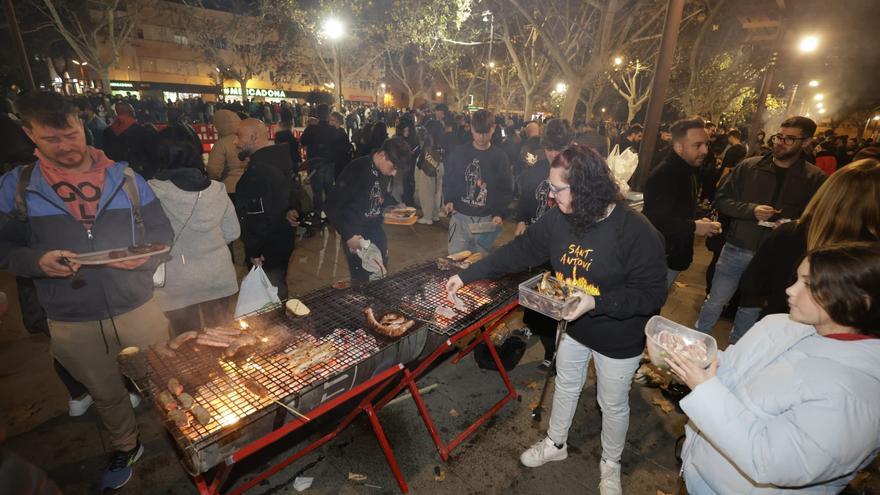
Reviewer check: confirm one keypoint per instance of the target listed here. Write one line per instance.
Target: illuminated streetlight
(808, 44)
(382, 86)
(618, 60)
(603, 109)
(561, 87)
(439, 94)
(876, 117)
(821, 111)
(820, 105)
(491, 65)
(333, 28)
(819, 97)
(814, 83)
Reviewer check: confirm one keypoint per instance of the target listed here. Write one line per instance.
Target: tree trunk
(631, 111)
(243, 83)
(571, 100)
(528, 105)
(105, 79)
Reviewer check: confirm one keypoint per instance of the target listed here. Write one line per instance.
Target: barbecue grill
(243, 422)
(239, 417)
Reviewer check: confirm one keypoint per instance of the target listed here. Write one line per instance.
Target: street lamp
(808, 44)
(814, 83)
(489, 17)
(821, 111)
(334, 30)
(819, 97)
(618, 60)
(561, 87)
(438, 94)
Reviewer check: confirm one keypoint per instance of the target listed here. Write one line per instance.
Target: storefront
(176, 91)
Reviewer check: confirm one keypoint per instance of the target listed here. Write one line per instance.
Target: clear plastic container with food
(537, 293)
(666, 336)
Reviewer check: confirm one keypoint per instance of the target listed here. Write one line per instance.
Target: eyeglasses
(557, 190)
(787, 140)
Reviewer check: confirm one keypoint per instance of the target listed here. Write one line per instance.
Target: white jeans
(428, 191)
(614, 379)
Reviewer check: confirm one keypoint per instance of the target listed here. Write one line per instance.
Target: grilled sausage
(178, 341)
(238, 343)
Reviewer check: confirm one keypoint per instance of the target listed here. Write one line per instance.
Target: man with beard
(671, 196)
(265, 201)
(760, 193)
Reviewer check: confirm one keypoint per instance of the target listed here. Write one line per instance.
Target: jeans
(671, 275)
(731, 265)
(614, 379)
(461, 239)
(745, 319)
(322, 184)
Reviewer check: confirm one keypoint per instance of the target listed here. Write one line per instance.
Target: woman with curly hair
(594, 241)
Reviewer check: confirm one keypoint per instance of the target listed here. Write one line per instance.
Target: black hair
(845, 281)
(397, 150)
(482, 121)
(322, 111)
(735, 133)
(681, 127)
(806, 125)
(46, 108)
(593, 186)
(557, 134)
(634, 129)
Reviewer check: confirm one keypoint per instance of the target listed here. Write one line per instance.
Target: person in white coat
(794, 406)
(199, 277)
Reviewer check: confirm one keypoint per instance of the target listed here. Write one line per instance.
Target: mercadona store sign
(251, 92)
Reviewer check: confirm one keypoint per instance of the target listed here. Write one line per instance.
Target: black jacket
(773, 269)
(671, 205)
(753, 183)
(619, 260)
(263, 196)
(318, 140)
(355, 204)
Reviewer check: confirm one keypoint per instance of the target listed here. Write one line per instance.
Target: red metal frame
(410, 377)
(378, 383)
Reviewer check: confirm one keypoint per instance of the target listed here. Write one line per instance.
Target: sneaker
(609, 478)
(425, 221)
(436, 219)
(119, 472)
(78, 407)
(135, 399)
(545, 366)
(543, 452)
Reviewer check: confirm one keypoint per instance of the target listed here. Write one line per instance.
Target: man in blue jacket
(74, 199)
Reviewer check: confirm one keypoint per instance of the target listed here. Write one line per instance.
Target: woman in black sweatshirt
(597, 243)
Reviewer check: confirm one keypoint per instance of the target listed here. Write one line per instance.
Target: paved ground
(33, 410)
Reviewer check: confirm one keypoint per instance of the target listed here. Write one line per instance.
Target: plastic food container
(688, 337)
(529, 297)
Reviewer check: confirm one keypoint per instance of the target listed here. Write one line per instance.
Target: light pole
(334, 30)
(489, 17)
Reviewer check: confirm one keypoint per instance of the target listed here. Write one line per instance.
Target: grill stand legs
(410, 377)
(378, 383)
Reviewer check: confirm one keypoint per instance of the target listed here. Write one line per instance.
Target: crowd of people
(792, 220)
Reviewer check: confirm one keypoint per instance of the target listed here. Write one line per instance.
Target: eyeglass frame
(556, 190)
(786, 140)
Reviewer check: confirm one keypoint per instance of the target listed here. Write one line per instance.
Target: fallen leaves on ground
(454, 413)
(357, 477)
(439, 474)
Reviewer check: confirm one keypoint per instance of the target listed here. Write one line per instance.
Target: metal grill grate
(418, 291)
(217, 383)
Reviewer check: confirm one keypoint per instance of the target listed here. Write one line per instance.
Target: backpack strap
(24, 178)
(131, 190)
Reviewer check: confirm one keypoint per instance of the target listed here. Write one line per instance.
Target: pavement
(33, 407)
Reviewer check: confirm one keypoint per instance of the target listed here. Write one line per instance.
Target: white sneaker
(609, 478)
(425, 221)
(543, 452)
(135, 399)
(78, 407)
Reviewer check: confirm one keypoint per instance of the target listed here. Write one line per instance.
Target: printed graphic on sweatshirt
(82, 200)
(476, 190)
(542, 195)
(578, 258)
(376, 201)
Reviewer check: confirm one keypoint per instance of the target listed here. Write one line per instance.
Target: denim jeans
(745, 319)
(460, 237)
(613, 381)
(731, 265)
(322, 184)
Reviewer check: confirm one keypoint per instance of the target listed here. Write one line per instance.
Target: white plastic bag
(256, 292)
(623, 165)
